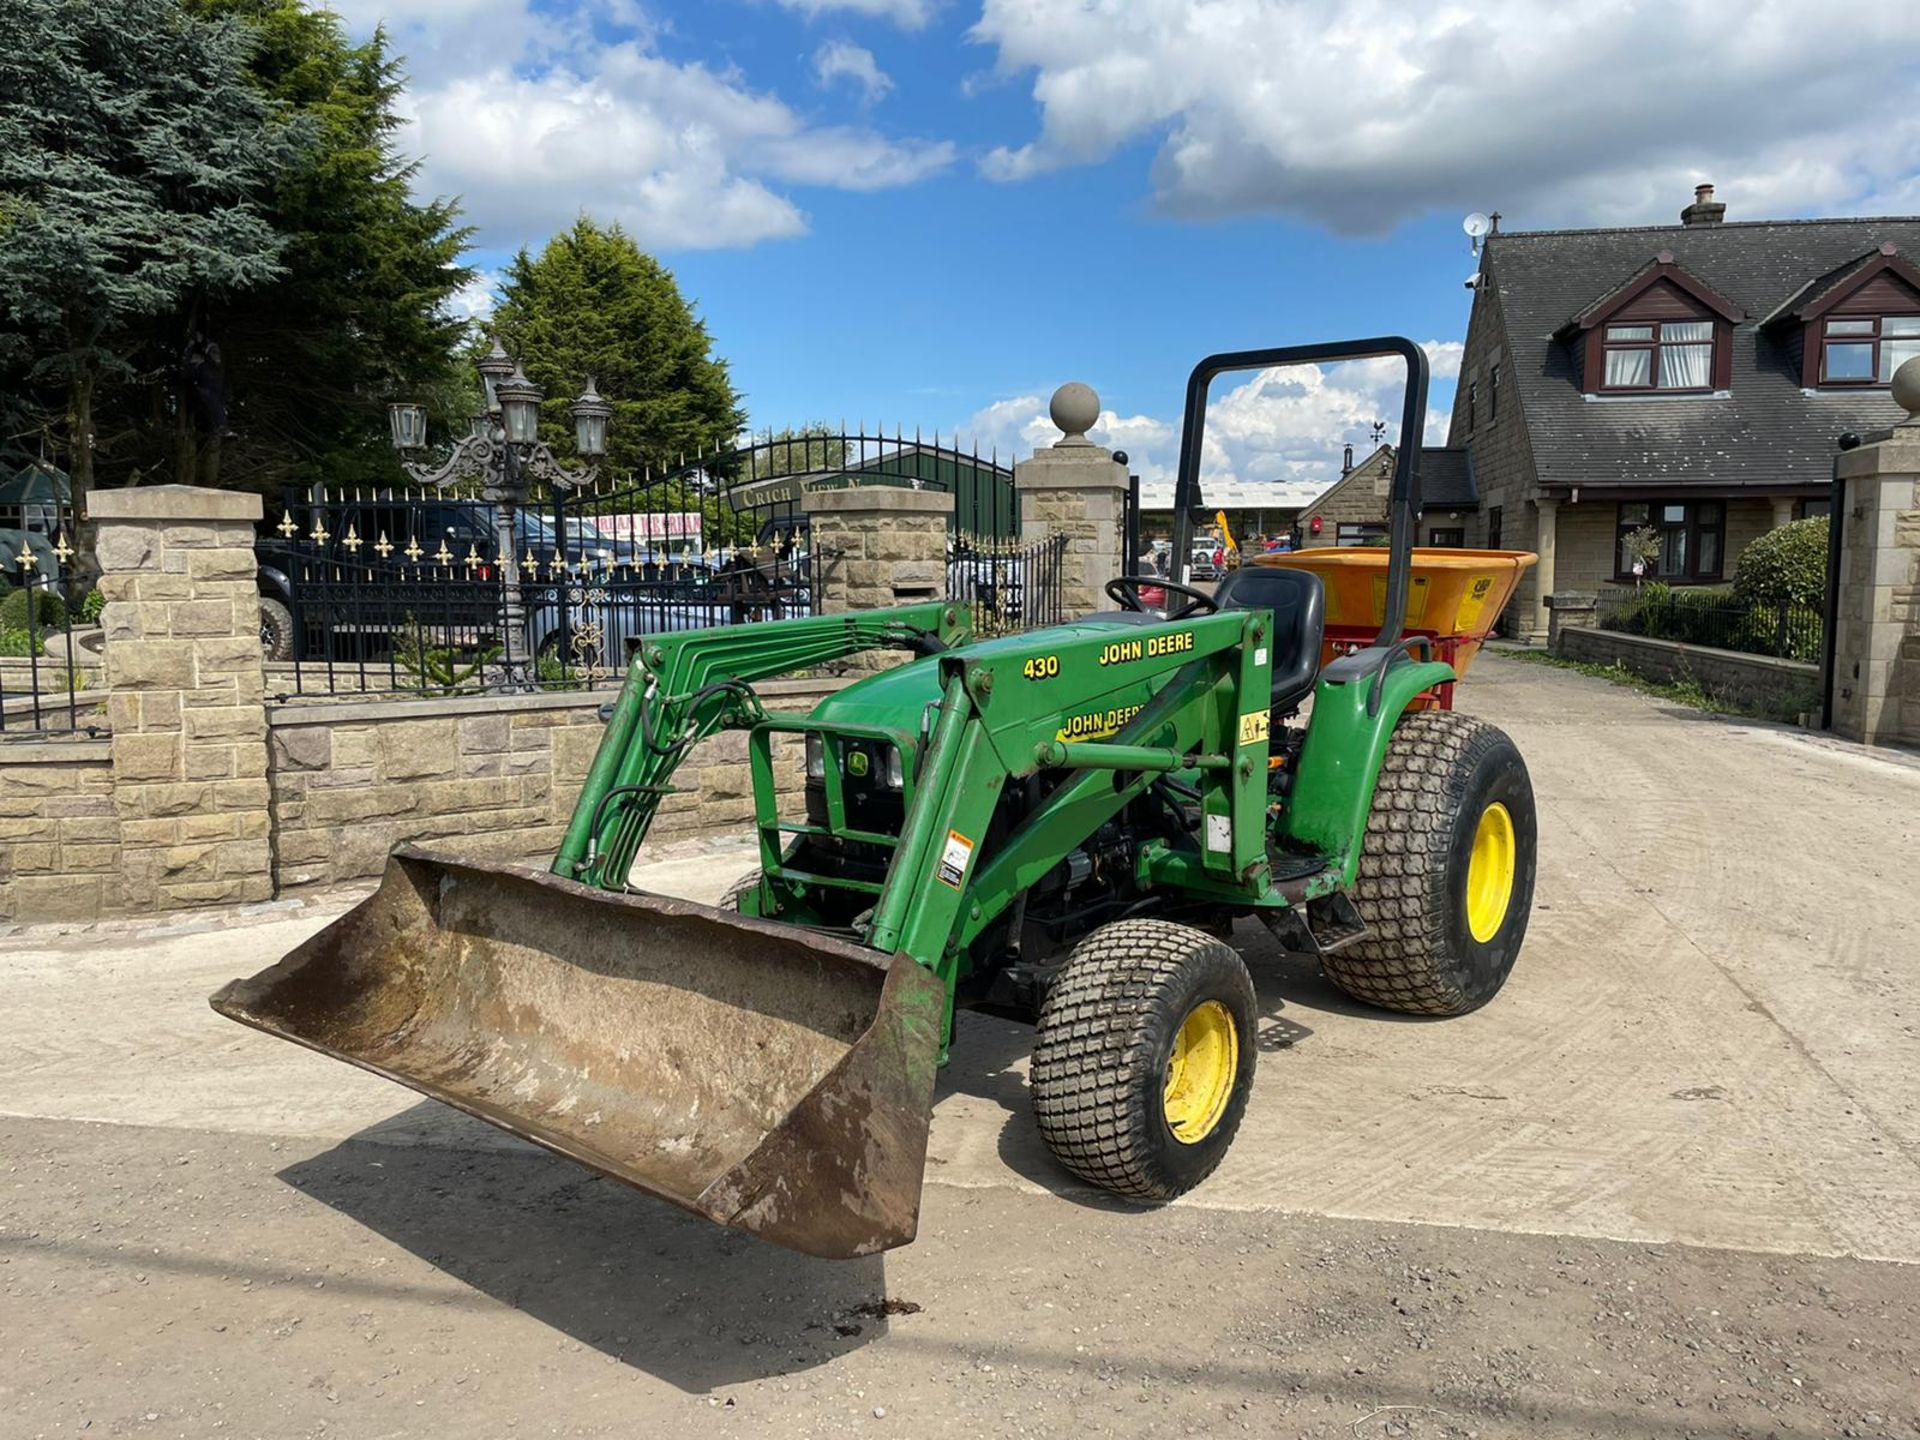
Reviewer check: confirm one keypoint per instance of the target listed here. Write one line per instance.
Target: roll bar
(1404, 502)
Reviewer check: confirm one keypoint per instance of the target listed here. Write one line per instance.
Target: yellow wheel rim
(1201, 1071)
(1490, 873)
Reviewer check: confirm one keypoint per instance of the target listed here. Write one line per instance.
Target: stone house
(1353, 511)
(1691, 378)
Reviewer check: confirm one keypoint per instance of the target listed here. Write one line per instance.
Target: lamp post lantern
(504, 452)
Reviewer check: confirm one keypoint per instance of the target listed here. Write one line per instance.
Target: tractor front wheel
(1144, 1058)
(1446, 871)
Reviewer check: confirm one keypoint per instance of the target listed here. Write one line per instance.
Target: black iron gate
(437, 591)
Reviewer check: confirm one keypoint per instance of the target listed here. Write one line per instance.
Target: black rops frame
(1403, 503)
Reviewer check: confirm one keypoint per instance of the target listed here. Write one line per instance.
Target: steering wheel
(1124, 591)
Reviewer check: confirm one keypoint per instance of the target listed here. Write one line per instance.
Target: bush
(49, 610)
(16, 642)
(1785, 566)
(91, 607)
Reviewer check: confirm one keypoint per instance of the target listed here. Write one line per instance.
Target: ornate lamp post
(505, 454)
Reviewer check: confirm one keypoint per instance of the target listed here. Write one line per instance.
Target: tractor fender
(1356, 705)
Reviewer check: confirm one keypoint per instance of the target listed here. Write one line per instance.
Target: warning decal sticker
(954, 859)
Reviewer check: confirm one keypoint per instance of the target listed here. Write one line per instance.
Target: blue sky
(931, 212)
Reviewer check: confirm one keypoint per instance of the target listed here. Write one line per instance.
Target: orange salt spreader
(1454, 597)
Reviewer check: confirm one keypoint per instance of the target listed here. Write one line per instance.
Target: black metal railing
(1010, 585)
(1716, 618)
(48, 679)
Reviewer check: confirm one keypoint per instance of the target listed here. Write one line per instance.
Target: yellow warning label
(1416, 600)
(1254, 726)
(1466, 619)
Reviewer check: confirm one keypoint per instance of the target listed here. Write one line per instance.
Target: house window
(1473, 403)
(1812, 509)
(1689, 540)
(1457, 538)
(1866, 350)
(1359, 532)
(1493, 394)
(1493, 527)
(1658, 355)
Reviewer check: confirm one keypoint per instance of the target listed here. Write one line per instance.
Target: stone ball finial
(1906, 391)
(1075, 410)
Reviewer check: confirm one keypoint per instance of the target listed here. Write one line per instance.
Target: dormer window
(1659, 355)
(1866, 350)
(1664, 331)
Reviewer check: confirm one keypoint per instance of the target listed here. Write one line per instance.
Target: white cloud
(1361, 113)
(908, 14)
(475, 299)
(1283, 427)
(531, 117)
(839, 60)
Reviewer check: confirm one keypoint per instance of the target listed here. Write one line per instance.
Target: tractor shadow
(691, 1303)
(989, 1057)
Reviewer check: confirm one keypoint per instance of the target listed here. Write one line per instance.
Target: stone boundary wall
(483, 777)
(1786, 687)
(59, 831)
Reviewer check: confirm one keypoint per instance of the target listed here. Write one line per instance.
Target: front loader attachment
(767, 1077)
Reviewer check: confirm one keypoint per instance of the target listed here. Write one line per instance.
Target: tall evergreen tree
(359, 315)
(132, 150)
(593, 303)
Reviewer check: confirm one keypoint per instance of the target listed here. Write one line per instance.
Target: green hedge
(49, 610)
(1787, 566)
(1722, 619)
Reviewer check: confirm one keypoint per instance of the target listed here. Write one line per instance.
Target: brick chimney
(1705, 210)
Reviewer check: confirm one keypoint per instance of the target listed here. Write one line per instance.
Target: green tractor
(1061, 825)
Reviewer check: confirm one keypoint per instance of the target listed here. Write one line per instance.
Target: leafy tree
(132, 152)
(359, 313)
(593, 303)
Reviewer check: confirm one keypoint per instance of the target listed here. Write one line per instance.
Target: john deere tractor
(1062, 825)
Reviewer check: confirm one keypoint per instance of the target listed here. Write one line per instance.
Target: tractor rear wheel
(1144, 1057)
(1446, 871)
(746, 885)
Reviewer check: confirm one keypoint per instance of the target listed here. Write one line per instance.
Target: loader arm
(681, 689)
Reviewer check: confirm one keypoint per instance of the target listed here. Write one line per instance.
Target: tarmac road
(1667, 1184)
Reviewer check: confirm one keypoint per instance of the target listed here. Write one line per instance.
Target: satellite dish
(1476, 225)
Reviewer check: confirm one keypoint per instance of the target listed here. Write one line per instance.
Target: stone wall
(1077, 489)
(186, 694)
(1359, 498)
(485, 777)
(59, 831)
(1785, 688)
(1876, 654)
(880, 545)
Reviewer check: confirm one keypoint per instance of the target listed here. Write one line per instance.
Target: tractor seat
(1299, 613)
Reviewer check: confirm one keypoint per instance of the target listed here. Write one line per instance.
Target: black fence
(1009, 585)
(44, 678)
(1716, 618)
(432, 593)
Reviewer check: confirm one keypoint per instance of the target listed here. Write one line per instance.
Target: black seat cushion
(1298, 604)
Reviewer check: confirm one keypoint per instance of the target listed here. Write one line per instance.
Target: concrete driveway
(1710, 1039)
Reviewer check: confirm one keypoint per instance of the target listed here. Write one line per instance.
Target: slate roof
(1766, 432)
(1446, 480)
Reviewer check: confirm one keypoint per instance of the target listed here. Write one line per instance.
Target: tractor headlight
(816, 759)
(890, 768)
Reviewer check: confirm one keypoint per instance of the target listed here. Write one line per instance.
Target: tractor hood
(896, 699)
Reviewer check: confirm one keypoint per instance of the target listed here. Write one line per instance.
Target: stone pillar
(1079, 490)
(1569, 607)
(1782, 510)
(186, 694)
(1876, 640)
(879, 545)
(1543, 572)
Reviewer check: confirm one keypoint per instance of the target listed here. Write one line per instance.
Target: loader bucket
(764, 1076)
